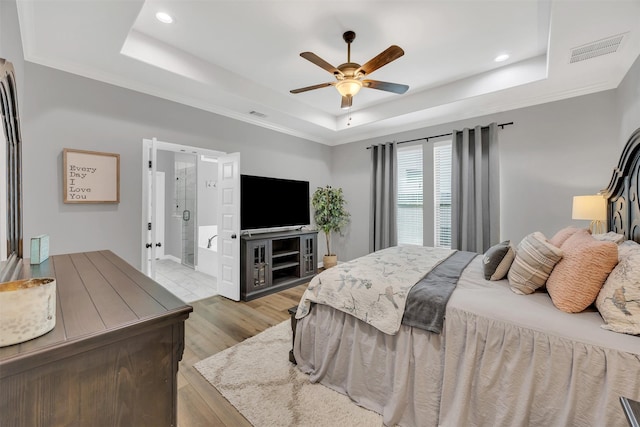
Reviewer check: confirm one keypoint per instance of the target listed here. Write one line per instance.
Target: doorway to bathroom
(181, 215)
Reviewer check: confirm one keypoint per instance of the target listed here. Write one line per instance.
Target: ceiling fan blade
(304, 89)
(386, 86)
(346, 102)
(310, 56)
(390, 54)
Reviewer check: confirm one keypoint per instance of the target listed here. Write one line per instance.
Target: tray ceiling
(237, 57)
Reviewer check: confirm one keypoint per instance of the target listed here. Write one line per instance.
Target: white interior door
(159, 210)
(149, 202)
(229, 226)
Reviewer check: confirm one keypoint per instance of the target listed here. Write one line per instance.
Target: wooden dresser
(112, 358)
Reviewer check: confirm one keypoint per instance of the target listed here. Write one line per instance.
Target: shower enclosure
(185, 204)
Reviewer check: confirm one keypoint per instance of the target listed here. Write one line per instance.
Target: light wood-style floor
(216, 324)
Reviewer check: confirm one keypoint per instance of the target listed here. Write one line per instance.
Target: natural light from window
(410, 206)
(412, 193)
(442, 194)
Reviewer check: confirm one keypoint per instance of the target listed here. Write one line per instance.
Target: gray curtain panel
(382, 229)
(475, 189)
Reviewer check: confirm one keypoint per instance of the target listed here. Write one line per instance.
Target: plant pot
(329, 261)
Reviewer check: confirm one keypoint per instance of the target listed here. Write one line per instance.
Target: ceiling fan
(350, 75)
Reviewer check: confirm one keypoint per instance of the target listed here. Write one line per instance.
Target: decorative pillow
(497, 260)
(576, 280)
(535, 258)
(619, 299)
(627, 247)
(561, 236)
(610, 236)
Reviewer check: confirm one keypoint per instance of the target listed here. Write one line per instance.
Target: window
(410, 209)
(442, 194)
(414, 188)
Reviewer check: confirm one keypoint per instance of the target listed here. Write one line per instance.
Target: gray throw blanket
(427, 299)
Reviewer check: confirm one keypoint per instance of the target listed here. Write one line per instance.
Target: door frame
(149, 151)
(159, 210)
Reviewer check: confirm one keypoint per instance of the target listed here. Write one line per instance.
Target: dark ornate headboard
(623, 207)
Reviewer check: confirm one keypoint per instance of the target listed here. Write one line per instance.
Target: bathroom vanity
(112, 357)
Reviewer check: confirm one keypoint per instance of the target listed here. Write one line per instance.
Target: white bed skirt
(380, 372)
(516, 360)
(502, 360)
(499, 374)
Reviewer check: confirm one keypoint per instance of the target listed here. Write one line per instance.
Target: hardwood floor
(216, 324)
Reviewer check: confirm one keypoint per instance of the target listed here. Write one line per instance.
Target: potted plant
(330, 215)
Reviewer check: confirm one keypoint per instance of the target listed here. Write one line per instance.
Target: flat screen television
(273, 202)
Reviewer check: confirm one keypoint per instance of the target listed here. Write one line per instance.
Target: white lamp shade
(589, 208)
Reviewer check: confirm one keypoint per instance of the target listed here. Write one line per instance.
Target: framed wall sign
(91, 177)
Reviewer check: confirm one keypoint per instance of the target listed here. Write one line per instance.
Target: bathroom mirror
(11, 160)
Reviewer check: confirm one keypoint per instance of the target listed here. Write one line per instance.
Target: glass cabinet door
(308, 251)
(260, 264)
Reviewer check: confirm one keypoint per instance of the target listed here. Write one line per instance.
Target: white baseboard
(172, 258)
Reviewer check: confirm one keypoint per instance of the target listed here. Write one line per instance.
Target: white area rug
(258, 379)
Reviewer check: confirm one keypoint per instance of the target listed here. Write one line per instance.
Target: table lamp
(592, 208)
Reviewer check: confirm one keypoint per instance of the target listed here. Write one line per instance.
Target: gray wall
(552, 152)
(629, 102)
(207, 196)
(10, 40)
(61, 110)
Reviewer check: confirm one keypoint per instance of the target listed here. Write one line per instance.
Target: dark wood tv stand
(271, 262)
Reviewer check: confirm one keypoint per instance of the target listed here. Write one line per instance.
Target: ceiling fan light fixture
(350, 75)
(349, 87)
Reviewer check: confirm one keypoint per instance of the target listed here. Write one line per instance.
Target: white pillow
(619, 299)
(610, 236)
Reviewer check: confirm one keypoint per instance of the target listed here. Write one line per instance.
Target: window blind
(442, 194)
(410, 195)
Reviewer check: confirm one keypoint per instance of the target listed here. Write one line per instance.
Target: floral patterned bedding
(373, 288)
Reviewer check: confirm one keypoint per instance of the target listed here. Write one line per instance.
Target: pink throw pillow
(576, 280)
(562, 235)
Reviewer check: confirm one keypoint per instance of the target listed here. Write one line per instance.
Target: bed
(501, 359)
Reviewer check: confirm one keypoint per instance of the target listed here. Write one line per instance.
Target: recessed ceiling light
(164, 17)
(501, 58)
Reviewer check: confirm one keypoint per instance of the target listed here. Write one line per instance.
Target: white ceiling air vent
(597, 48)
(257, 114)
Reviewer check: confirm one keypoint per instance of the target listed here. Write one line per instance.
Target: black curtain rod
(427, 138)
